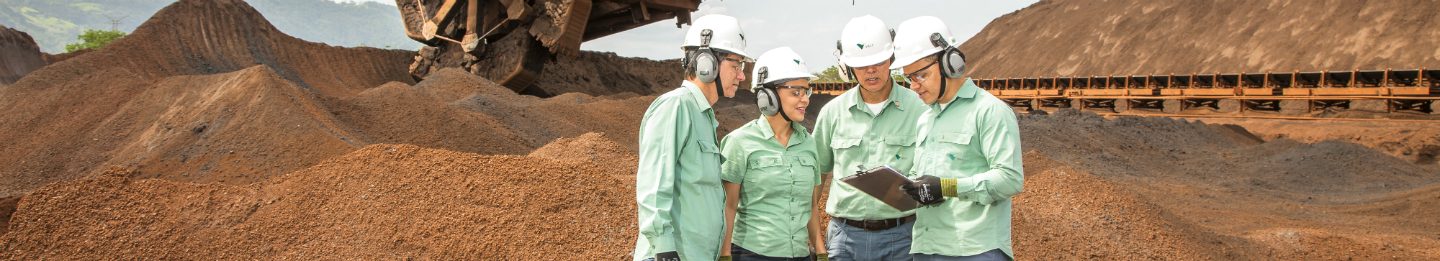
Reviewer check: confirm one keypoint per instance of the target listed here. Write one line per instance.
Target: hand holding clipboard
(883, 183)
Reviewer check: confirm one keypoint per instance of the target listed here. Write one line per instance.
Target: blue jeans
(738, 253)
(847, 243)
(992, 255)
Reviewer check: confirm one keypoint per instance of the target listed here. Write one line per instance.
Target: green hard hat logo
(797, 61)
(860, 45)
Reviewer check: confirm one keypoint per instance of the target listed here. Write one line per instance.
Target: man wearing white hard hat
(968, 158)
(772, 185)
(680, 201)
(870, 125)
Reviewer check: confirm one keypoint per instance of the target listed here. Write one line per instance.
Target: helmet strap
(943, 78)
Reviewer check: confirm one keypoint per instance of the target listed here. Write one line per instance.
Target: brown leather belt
(876, 225)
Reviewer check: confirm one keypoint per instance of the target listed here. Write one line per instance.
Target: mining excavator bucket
(509, 41)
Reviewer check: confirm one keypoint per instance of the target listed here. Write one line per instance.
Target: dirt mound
(379, 202)
(102, 106)
(21, 55)
(1415, 141)
(604, 73)
(1281, 198)
(1066, 213)
(587, 147)
(57, 58)
(229, 99)
(232, 128)
(206, 37)
(1135, 147)
(1083, 38)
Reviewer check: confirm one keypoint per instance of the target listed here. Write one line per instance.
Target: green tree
(92, 39)
(831, 74)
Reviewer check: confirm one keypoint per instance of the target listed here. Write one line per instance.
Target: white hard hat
(779, 64)
(725, 34)
(865, 41)
(913, 39)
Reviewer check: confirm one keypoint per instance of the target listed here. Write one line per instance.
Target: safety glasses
(918, 77)
(739, 64)
(796, 90)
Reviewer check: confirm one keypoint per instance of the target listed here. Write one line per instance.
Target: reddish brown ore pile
(20, 53)
(379, 202)
(1084, 38)
(228, 99)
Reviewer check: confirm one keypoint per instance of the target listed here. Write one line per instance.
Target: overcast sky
(809, 26)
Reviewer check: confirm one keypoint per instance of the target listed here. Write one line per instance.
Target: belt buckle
(877, 225)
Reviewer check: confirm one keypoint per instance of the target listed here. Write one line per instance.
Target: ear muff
(849, 72)
(765, 96)
(952, 61)
(766, 99)
(706, 64)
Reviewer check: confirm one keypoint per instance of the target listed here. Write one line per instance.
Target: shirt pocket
(847, 151)
(763, 163)
(900, 150)
(844, 143)
(804, 171)
(951, 148)
(708, 159)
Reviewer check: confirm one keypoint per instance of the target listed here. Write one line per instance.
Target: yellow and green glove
(931, 190)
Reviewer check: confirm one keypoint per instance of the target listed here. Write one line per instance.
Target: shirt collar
(968, 90)
(893, 101)
(697, 93)
(795, 128)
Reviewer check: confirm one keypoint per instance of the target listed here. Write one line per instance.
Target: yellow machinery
(509, 41)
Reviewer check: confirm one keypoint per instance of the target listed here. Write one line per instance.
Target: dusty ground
(235, 141)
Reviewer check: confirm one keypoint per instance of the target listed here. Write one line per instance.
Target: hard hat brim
(737, 52)
(901, 62)
(869, 60)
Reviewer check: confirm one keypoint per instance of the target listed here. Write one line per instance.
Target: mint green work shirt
(976, 140)
(776, 188)
(680, 203)
(848, 135)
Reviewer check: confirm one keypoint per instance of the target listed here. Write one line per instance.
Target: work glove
(667, 256)
(724, 258)
(822, 257)
(930, 190)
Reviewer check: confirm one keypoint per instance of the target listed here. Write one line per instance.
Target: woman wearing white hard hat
(679, 199)
(870, 125)
(772, 185)
(968, 157)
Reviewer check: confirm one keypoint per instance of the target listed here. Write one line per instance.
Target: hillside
(1086, 37)
(56, 23)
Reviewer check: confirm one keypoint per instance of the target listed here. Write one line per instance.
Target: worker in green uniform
(679, 199)
(772, 185)
(969, 153)
(870, 125)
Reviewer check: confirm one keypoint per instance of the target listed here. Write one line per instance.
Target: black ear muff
(706, 64)
(952, 61)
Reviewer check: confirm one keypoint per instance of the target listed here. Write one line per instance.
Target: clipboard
(883, 183)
